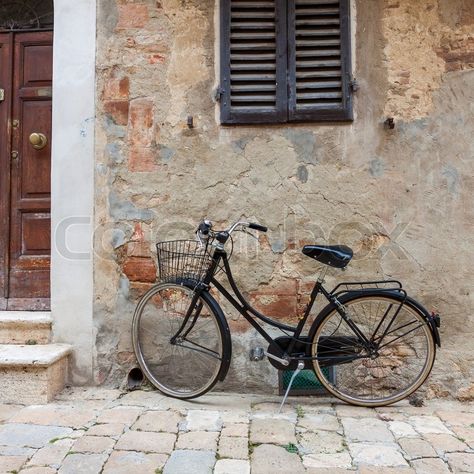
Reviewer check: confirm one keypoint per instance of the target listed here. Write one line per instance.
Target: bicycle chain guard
(279, 347)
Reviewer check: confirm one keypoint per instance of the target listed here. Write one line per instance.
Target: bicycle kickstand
(295, 373)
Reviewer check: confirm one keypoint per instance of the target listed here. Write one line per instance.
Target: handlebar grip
(258, 227)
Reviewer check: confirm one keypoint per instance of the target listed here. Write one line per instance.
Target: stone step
(25, 327)
(32, 374)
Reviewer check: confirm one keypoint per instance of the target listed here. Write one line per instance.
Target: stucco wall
(401, 198)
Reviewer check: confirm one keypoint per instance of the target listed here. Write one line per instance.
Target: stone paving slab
(202, 420)
(11, 463)
(320, 442)
(366, 429)
(186, 462)
(7, 411)
(270, 459)
(126, 462)
(273, 431)
(232, 466)
(96, 430)
(328, 461)
(82, 463)
(52, 454)
(55, 415)
(233, 447)
(201, 440)
(319, 422)
(377, 454)
(30, 436)
(144, 441)
(160, 420)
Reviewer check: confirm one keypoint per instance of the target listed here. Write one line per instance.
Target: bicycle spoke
(190, 366)
(200, 348)
(381, 373)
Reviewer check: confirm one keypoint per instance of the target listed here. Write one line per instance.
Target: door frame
(5, 78)
(72, 182)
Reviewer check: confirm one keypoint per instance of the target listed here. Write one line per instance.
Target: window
(285, 61)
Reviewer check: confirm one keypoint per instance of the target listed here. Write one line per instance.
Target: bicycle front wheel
(181, 356)
(399, 361)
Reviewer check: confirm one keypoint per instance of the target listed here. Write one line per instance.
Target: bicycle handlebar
(204, 229)
(260, 228)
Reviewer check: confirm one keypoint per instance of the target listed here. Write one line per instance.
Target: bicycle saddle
(334, 255)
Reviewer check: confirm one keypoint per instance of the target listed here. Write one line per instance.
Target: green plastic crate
(305, 383)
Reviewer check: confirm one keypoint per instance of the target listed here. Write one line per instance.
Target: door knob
(38, 140)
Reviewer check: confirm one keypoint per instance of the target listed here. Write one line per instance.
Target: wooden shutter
(319, 60)
(253, 61)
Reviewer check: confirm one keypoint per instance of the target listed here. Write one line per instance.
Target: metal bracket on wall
(354, 85)
(218, 94)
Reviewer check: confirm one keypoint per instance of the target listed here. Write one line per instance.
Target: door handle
(38, 140)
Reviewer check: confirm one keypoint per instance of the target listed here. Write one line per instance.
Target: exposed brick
(140, 123)
(118, 110)
(140, 269)
(142, 160)
(305, 287)
(156, 58)
(239, 325)
(138, 249)
(132, 15)
(125, 357)
(284, 287)
(137, 289)
(277, 306)
(462, 56)
(116, 88)
(138, 234)
(453, 66)
(458, 53)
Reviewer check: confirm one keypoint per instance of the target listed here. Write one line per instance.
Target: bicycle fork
(189, 313)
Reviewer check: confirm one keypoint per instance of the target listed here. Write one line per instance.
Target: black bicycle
(379, 343)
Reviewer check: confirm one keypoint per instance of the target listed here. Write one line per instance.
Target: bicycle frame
(249, 312)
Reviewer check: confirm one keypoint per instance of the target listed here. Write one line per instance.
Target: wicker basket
(180, 260)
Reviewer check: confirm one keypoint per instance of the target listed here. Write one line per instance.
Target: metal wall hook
(389, 123)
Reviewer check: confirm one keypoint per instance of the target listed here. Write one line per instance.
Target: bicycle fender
(223, 325)
(432, 320)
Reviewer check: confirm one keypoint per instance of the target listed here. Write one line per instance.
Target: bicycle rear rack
(361, 286)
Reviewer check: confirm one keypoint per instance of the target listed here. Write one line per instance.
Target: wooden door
(25, 160)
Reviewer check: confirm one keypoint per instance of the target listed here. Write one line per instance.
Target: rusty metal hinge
(218, 94)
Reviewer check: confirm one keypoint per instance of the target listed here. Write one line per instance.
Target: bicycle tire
(372, 381)
(188, 368)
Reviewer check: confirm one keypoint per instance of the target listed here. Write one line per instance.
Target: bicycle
(379, 343)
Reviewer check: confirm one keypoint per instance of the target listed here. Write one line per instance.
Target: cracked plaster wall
(401, 198)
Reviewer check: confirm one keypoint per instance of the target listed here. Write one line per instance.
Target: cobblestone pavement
(94, 430)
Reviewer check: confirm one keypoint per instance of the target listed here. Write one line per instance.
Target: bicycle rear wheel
(400, 362)
(181, 357)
